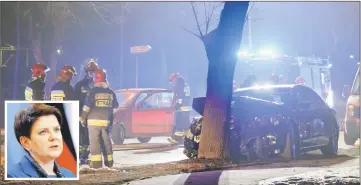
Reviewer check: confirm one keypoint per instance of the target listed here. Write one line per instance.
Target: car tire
(349, 139)
(292, 147)
(144, 139)
(118, 134)
(330, 150)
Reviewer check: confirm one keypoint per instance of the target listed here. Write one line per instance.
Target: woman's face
(46, 141)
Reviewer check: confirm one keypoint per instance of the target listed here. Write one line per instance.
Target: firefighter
(35, 89)
(97, 111)
(81, 89)
(300, 80)
(182, 105)
(249, 81)
(62, 89)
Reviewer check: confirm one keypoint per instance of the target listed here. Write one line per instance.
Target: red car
(143, 114)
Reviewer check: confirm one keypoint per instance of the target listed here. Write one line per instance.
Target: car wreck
(284, 120)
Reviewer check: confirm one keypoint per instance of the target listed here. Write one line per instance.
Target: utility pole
(121, 50)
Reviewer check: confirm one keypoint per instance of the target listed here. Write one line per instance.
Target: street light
(58, 51)
(352, 57)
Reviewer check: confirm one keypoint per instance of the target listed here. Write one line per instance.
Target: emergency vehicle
(315, 71)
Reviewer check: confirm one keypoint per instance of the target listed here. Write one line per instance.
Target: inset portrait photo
(41, 140)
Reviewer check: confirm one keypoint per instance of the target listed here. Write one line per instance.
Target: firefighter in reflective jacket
(62, 89)
(182, 105)
(81, 89)
(98, 109)
(35, 89)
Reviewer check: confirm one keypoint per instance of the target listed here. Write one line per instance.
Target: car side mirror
(346, 91)
(304, 104)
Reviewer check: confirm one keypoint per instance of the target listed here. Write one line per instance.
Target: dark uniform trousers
(99, 138)
(182, 122)
(81, 89)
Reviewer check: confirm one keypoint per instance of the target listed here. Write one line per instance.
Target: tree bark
(221, 46)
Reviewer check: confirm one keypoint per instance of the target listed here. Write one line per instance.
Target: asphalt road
(159, 150)
(312, 163)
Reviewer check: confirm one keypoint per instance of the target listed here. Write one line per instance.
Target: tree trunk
(222, 46)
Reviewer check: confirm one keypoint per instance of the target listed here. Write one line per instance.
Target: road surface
(313, 163)
(158, 150)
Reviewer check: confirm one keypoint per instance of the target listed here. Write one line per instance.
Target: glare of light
(242, 53)
(352, 57)
(329, 99)
(58, 51)
(268, 53)
(329, 65)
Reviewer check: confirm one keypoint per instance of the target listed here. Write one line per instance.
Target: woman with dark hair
(38, 130)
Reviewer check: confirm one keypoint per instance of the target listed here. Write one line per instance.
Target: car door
(154, 114)
(310, 113)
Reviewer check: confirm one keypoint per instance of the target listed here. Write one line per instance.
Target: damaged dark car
(285, 120)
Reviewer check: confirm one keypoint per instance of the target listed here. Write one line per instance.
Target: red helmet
(91, 66)
(67, 72)
(173, 77)
(39, 70)
(300, 80)
(100, 75)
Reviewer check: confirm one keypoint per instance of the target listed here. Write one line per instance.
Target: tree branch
(193, 33)
(196, 17)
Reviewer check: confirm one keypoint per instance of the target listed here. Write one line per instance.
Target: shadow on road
(206, 178)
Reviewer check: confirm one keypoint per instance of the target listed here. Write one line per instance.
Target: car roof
(266, 87)
(137, 90)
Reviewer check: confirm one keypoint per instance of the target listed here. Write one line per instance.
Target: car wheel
(330, 150)
(118, 134)
(291, 145)
(349, 139)
(144, 139)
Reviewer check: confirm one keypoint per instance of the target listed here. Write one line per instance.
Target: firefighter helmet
(173, 77)
(99, 75)
(39, 70)
(67, 72)
(300, 80)
(91, 66)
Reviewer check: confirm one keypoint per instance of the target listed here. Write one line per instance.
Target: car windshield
(356, 85)
(125, 97)
(278, 95)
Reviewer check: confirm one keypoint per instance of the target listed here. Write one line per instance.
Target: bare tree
(47, 29)
(221, 45)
